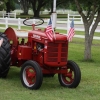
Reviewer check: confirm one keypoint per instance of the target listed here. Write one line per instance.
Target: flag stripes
(49, 31)
(71, 32)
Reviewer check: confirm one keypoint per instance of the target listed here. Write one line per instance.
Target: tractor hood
(39, 34)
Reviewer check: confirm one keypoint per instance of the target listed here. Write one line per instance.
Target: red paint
(51, 56)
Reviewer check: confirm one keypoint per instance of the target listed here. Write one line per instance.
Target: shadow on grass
(14, 72)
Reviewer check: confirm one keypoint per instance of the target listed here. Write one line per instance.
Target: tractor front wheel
(31, 75)
(72, 77)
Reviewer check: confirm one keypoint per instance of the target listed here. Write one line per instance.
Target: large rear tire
(5, 56)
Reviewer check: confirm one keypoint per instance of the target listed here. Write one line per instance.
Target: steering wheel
(35, 21)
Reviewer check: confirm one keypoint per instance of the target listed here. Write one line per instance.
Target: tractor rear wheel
(72, 77)
(31, 75)
(5, 56)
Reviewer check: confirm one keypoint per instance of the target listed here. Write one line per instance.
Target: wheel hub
(30, 76)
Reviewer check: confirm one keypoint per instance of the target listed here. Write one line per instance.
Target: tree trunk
(25, 10)
(25, 6)
(36, 13)
(8, 7)
(51, 7)
(87, 51)
(89, 33)
(36, 6)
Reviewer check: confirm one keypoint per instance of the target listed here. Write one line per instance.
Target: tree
(25, 6)
(59, 4)
(7, 4)
(8, 8)
(37, 5)
(92, 8)
(10, 5)
(2, 4)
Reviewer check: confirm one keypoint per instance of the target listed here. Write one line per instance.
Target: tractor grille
(57, 52)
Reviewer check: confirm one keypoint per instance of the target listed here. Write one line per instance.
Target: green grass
(88, 89)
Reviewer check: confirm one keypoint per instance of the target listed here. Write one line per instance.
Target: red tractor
(38, 57)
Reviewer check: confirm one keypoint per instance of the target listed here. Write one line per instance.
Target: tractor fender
(11, 34)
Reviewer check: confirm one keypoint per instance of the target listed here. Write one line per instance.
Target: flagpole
(54, 15)
(54, 18)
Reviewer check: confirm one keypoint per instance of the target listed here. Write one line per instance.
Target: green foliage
(3, 0)
(2, 6)
(73, 7)
(12, 4)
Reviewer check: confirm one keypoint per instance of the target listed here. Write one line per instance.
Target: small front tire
(72, 77)
(31, 75)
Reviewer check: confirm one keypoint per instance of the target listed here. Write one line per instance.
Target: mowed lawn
(88, 89)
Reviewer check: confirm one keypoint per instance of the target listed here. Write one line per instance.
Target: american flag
(71, 32)
(49, 31)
